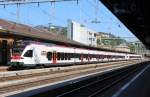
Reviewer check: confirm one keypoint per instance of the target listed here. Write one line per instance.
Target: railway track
(93, 86)
(16, 75)
(21, 82)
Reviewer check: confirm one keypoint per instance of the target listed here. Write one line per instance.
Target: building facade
(101, 38)
(141, 49)
(80, 33)
(122, 47)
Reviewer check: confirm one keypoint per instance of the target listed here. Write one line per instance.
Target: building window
(90, 38)
(90, 33)
(94, 34)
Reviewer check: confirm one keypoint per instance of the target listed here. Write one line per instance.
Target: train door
(54, 57)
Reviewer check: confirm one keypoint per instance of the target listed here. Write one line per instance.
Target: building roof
(13, 28)
(28, 31)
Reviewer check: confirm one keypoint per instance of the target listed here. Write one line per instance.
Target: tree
(64, 31)
(98, 42)
(131, 47)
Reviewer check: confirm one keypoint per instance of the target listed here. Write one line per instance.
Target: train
(31, 54)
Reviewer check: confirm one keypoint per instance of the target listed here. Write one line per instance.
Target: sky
(58, 13)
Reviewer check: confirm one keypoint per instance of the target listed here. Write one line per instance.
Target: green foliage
(64, 31)
(113, 41)
(98, 42)
(131, 46)
(53, 30)
(61, 31)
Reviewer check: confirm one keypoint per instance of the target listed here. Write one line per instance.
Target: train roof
(21, 31)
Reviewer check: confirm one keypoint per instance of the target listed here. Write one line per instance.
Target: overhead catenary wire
(14, 2)
(18, 12)
(11, 13)
(83, 12)
(111, 20)
(48, 14)
(15, 14)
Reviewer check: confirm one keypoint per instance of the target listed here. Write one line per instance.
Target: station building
(5, 46)
(11, 32)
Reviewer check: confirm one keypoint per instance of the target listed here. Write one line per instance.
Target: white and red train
(29, 53)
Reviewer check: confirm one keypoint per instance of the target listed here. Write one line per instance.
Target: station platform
(137, 85)
(62, 82)
(3, 67)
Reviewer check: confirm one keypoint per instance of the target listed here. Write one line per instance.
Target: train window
(72, 55)
(62, 56)
(110, 56)
(104, 56)
(69, 56)
(29, 53)
(95, 56)
(49, 55)
(78, 56)
(84, 56)
(92, 55)
(65, 55)
(58, 56)
(75, 55)
(101, 56)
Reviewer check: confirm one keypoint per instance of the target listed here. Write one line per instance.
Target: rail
(26, 82)
(94, 88)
